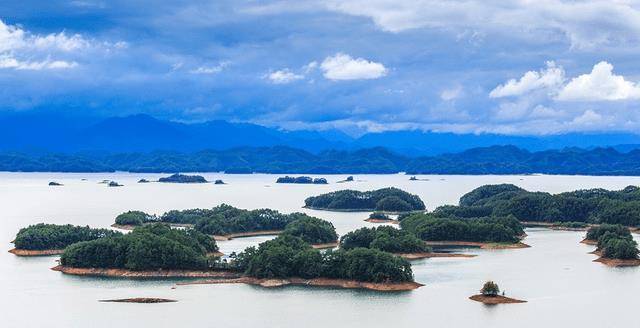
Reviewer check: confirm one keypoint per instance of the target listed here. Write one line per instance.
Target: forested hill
(487, 160)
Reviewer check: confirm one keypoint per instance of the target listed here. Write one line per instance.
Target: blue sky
(513, 67)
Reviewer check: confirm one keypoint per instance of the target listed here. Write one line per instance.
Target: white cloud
(550, 78)
(451, 94)
(284, 76)
(600, 84)
(589, 117)
(583, 23)
(343, 67)
(210, 69)
(9, 62)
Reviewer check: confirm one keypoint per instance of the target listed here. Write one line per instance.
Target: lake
(556, 275)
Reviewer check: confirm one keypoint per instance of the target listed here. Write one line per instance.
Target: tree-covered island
(484, 232)
(134, 218)
(183, 178)
(384, 200)
(615, 245)
(51, 239)
(301, 180)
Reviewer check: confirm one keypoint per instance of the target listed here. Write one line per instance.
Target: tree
(490, 288)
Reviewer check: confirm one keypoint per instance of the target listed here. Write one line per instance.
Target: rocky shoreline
(497, 299)
(144, 300)
(318, 282)
(36, 252)
(124, 273)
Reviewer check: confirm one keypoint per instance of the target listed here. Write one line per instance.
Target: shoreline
(615, 263)
(143, 300)
(354, 210)
(131, 227)
(589, 242)
(493, 300)
(246, 234)
(481, 245)
(36, 252)
(427, 255)
(326, 245)
(317, 282)
(392, 221)
(549, 225)
(124, 273)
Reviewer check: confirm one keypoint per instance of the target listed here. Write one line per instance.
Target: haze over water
(556, 275)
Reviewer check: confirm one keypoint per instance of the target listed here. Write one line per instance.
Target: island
(219, 182)
(154, 250)
(615, 245)
(144, 300)
(182, 178)
(317, 232)
(301, 180)
(490, 295)
(380, 217)
(52, 239)
(391, 200)
(590, 206)
(114, 184)
(130, 219)
(289, 260)
(55, 184)
(483, 232)
(143, 181)
(348, 179)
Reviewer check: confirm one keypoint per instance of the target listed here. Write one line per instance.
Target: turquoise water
(556, 275)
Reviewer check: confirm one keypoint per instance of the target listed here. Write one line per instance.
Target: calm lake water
(556, 275)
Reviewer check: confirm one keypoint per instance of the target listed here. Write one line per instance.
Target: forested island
(183, 178)
(282, 160)
(301, 180)
(615, 245)
(383, 200)
(52, 239)
(225, 222)
(596, 206)
(484, 232)
(490, 295)
(380, 217)
(299, 263)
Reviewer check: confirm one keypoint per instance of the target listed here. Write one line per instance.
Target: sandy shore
(617, 262)
(247, 234)
(34, 252)
(477, 244)
(392, 221)
(589, 242)
(124, 273)
(326, 246)
(321, 282)
(145, 300)
(498, 299)
(417, 256)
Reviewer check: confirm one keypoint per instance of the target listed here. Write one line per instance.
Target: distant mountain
(486, 160)
(40, 133)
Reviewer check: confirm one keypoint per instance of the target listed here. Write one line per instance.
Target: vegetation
(614, 241)
(135, 218)
(570, 225)
(280, 160)
(289, 256)
(150, 247)
(302, 180)
(312, 230)
(585, 206)
(387, 199)
(182, 178)
(114, 184)
(490, 288)
(387, 239)
(379, 216)
(51, 236)
(486, 229)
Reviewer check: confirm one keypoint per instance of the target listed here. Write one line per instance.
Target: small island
(317, 232)
(348, 179)
(490, 295)
(615, 245)
(380, 217)
(300, 264)
(154, 250)
(183, 178)
(301, 180)
(143, 181)
(391, 200)
(143, 300)
(219, 182)
(484, 232)
(55, 184)
(131, 219)
(114, 184)
(51, 239)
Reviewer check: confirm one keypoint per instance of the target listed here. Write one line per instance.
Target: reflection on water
(556, 275)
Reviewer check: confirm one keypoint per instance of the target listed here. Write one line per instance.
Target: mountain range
(43, 133)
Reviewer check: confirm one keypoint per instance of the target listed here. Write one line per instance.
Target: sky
(511, 67)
